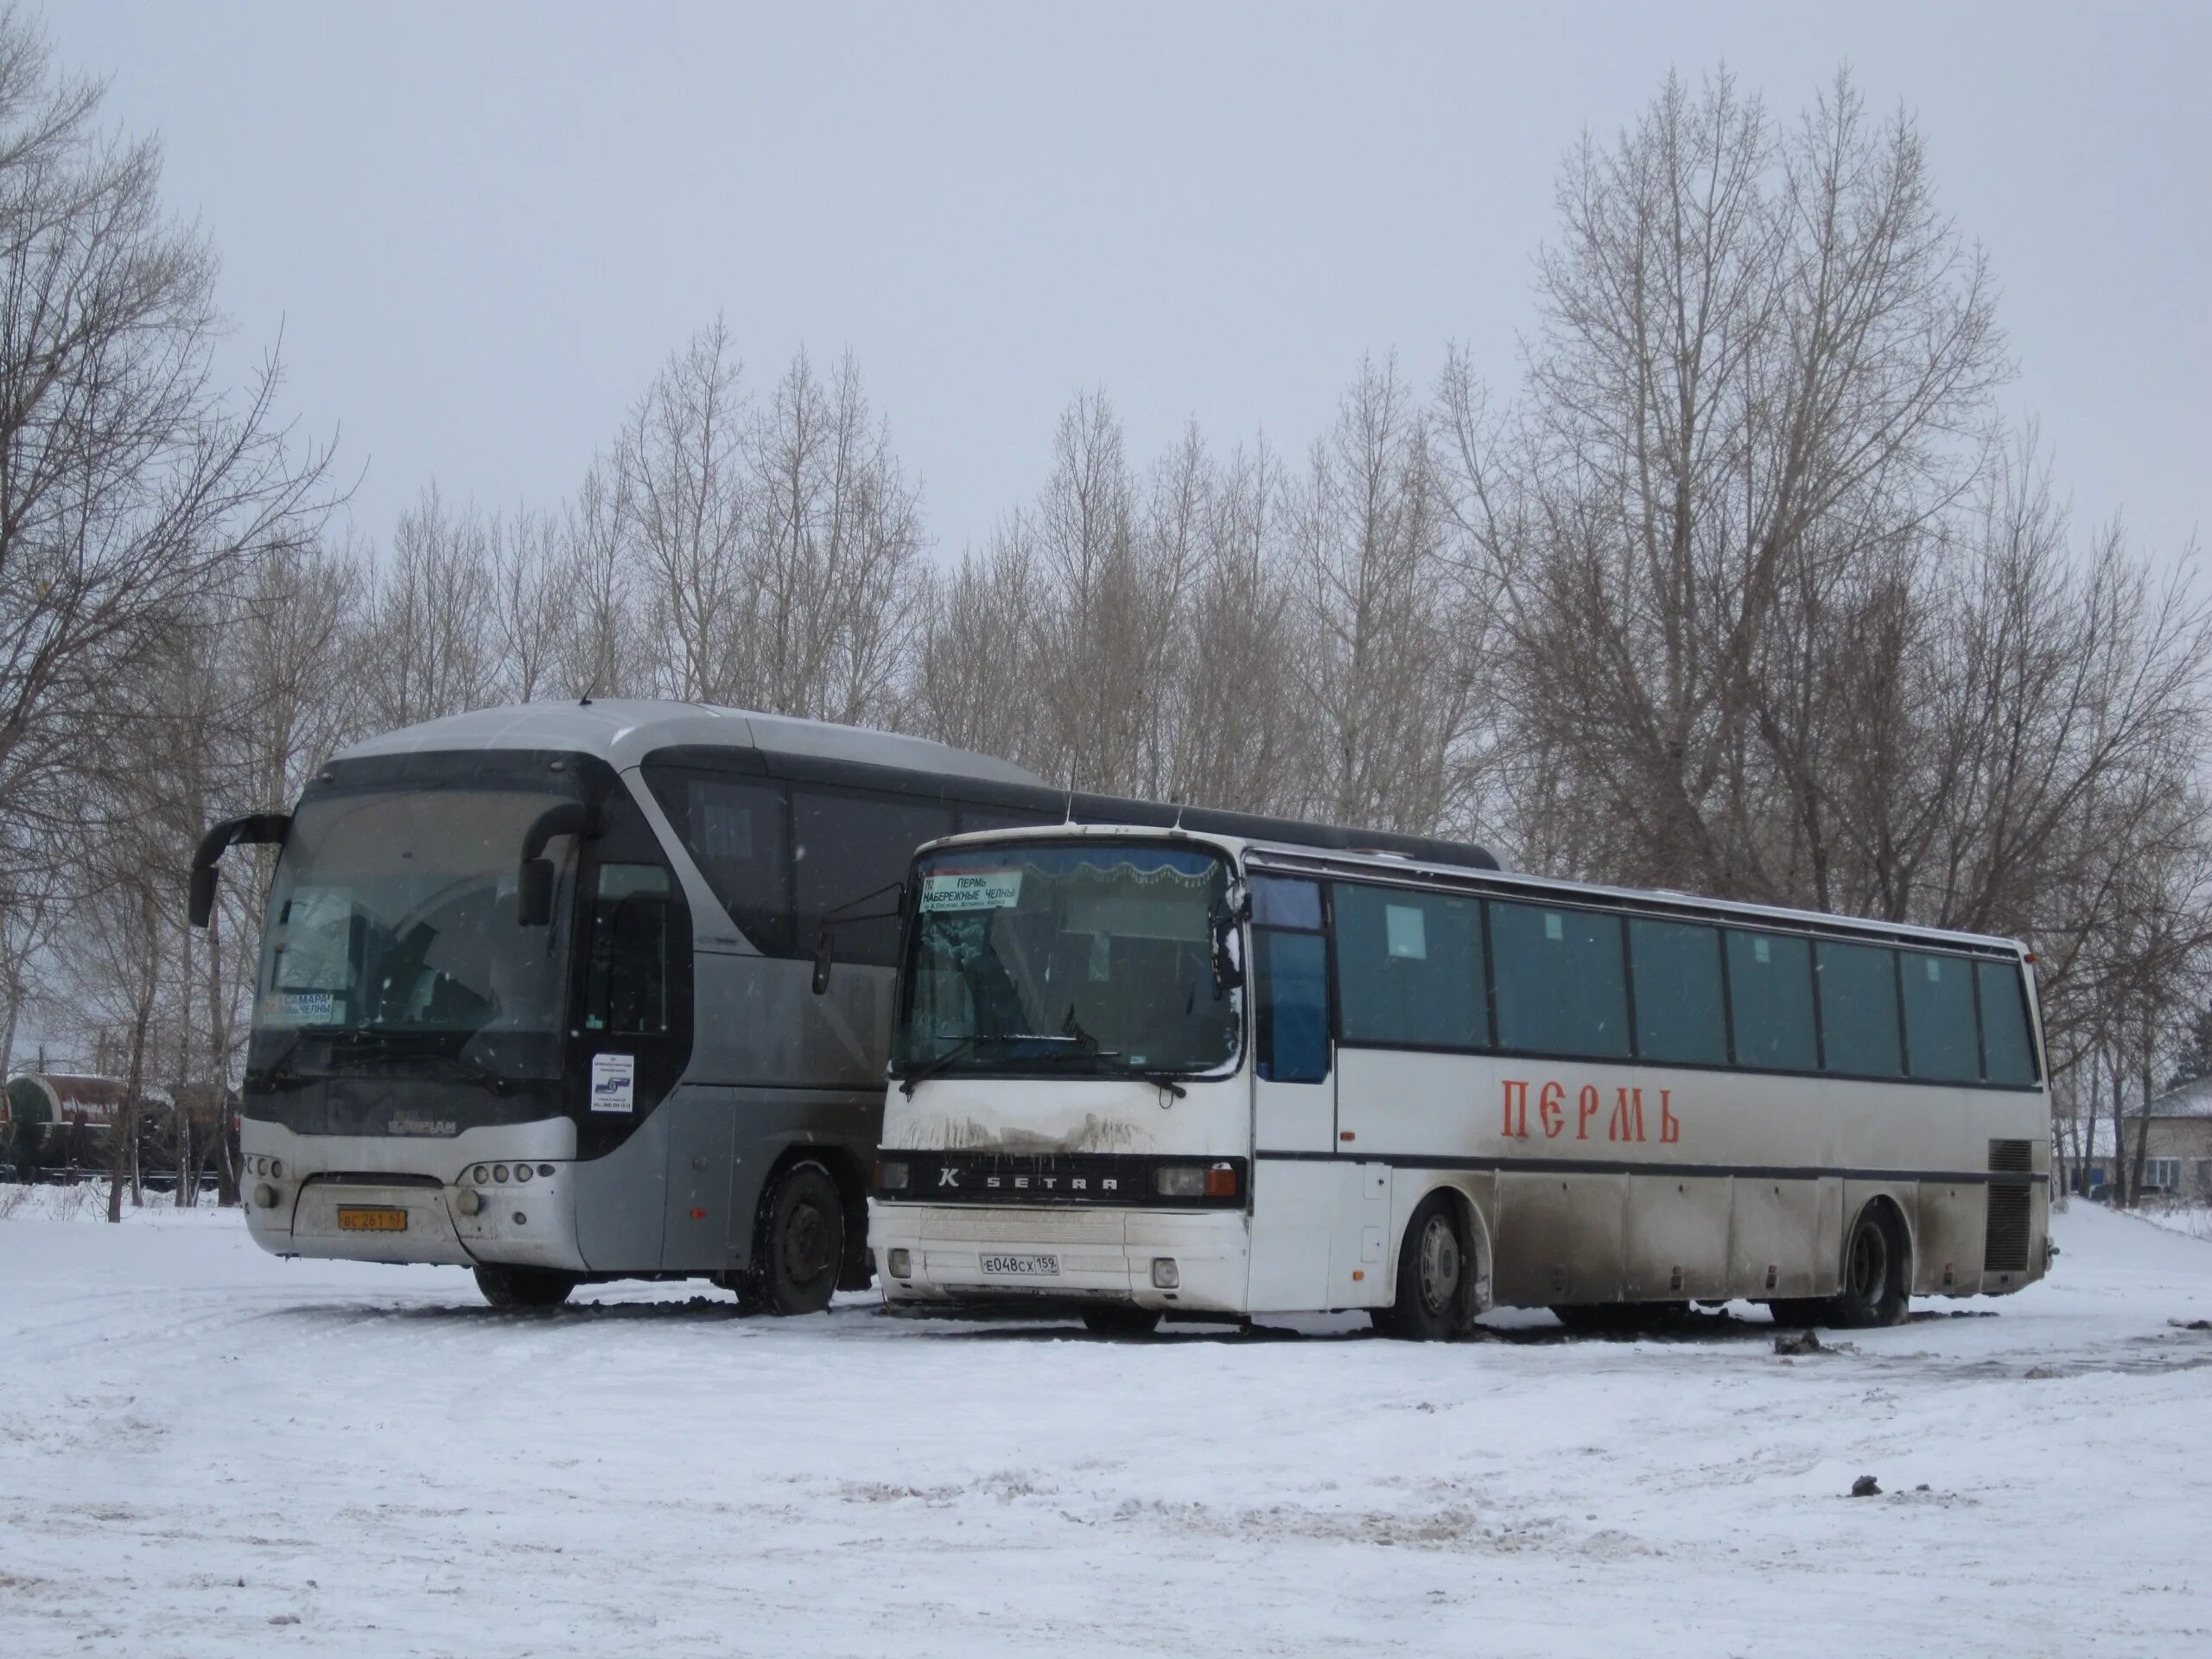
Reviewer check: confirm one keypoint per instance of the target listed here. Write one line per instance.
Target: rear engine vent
(2005, 1248)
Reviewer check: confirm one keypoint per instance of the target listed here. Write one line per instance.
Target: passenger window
(1291, 1005)
(627, 988)
(1859, 1009)
(1560, 988)
(848, 851)
(1678, 1014)
(1277, 903)
(1939, 1035)
(736, 832)
(2009, 1055)
(1770, 1001)
(1409, 968)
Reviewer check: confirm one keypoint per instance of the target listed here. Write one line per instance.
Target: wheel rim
(806, 1244)
(1869, 1263)
(1440, 1265)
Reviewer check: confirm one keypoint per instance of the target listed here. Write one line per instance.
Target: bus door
(1295, 1172)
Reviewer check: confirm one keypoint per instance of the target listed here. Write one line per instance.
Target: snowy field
(204, 1451)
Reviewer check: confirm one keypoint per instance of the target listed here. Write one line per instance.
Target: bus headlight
(522, 1171)
(265, 1196)
(1195, 1181)
(902, 1265)
(468, 1201)
(890, 1175)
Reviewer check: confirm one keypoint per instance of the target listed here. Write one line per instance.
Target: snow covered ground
(204, 1451)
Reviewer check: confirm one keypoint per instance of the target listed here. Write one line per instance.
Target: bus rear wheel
(524, 1286)
(1874, 1290)
(1435, 1274)
(802, 1244)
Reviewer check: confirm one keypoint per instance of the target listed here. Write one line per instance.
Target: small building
(2176, 1146)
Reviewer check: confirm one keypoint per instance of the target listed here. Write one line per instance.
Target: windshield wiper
(1105, 1068)
(916, 1075)
(386, 1046)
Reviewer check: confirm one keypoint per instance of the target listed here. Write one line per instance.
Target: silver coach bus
(545, 992)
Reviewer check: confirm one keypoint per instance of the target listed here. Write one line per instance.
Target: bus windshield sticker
(613, 1083)
(976, 890)
(310, 1008)
(1761, 951)
(1554, 926)
(1407, 930)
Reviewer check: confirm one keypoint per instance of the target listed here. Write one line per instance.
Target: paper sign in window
(1406, 930)
(981, 890)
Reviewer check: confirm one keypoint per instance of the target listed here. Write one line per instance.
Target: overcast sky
(481, 228)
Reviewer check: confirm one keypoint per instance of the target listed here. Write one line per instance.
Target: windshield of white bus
(391, 922)
(1097, 959)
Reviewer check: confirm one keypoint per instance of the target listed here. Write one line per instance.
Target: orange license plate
(359, 1218)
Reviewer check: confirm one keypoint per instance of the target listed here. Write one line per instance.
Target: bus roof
(623, 731)
(1287, 857)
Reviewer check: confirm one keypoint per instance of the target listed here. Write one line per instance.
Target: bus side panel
(1399, 1105)
(1294, 1206)
(1677, 1237)
(700, 1225)
(619, 1200)
(1777, 1227)
(1559, 1239)
(1947, 1223)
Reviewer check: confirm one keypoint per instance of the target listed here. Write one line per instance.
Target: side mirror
(534, 893)
(255, 829)
(201, 897)
(1228, 972)
(824, 953)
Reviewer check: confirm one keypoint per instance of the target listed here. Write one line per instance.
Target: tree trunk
(218, 1039)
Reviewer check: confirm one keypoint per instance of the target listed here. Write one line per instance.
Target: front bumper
(1102, 1254)
(513, 1223)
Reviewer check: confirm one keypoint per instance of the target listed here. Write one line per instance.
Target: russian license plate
(1023, 1266)
(362, 1218)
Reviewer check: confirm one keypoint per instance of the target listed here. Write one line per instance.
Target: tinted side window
(1560, 988)
(1858, 1008)
(1678, 1014)
(1770, 1001)
(1278, 903)
(1291, 1005)
(1939, 1035)
(627, 983)
(1409, 968)
(847, 847)
(2004, 1022)
(736, 831)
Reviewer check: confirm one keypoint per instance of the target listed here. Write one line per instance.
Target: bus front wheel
(524, 1286)
(802, 1244)
(1435, 1277)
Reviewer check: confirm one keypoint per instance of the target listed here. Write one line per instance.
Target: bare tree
(684, 472)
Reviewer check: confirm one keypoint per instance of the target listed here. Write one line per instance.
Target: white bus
(1141, 1073)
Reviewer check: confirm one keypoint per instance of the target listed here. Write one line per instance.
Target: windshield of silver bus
(1095, 958)
(391, 934)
